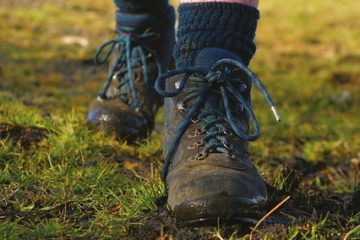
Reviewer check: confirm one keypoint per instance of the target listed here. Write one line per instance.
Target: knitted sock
(252, 3)
(154, 7)
(230, 26)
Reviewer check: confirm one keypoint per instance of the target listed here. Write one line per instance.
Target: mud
(24, 136)
(300, 209)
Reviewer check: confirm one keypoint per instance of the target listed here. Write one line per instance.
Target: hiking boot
(207, 167)
(128, 102)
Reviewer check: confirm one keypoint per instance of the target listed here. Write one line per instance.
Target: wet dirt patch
(161, 225)
(305, 207)
(343, 77)
(24, 136)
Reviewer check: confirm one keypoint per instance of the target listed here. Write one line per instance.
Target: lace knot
(228, 93)
(131, 43)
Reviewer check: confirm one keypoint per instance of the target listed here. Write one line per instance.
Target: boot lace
(134, 51)
(216, 124)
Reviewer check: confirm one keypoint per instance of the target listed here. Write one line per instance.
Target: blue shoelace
(216, 81)
(133, 48)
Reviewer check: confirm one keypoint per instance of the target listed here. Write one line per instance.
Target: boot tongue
(208, 56)
(138, 23)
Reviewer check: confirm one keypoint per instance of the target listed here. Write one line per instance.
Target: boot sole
(212, 211)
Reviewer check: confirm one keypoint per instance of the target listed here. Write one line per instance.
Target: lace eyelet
(191, 135)
(200, 156)
(195, 134)
(199, 144)
(195, 120)
(190, 147)
(181, 107)
(201, 131)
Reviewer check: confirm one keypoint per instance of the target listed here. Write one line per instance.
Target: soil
(25, 136)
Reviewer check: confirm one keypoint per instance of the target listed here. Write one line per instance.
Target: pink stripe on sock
(252, 3)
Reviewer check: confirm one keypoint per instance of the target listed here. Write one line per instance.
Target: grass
(60, 180)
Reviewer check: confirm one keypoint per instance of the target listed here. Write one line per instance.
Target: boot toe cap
(114, 117)
(217, 192)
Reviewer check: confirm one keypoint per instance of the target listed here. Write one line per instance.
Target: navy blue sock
(222, 25)
(153, 7)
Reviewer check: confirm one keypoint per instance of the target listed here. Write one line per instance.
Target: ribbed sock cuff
(223, 25)
(154, 7)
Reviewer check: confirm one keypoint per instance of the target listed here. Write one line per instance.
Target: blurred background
(310, 48)
(308, 57)
(308, 53)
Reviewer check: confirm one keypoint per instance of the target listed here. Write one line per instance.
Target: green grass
(74, 183)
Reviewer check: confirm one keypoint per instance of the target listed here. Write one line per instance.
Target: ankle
(138, 23)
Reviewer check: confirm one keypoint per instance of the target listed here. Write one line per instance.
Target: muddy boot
(127, 104)
(207, 167)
